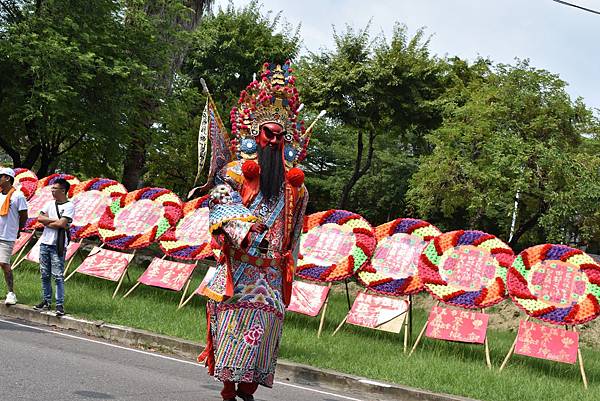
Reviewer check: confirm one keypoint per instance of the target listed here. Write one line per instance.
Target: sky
(561, 39)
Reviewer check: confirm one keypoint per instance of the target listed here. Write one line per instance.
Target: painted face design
(271, 134)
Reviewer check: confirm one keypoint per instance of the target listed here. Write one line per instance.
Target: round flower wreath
(32, 223)
(171, 213)
(442, 248)
(112, 188)
(357, 258)
(382, 283)
(182, 249)
(581, 304)
(26, 180)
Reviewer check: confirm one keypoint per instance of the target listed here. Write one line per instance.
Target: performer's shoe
(244, 396)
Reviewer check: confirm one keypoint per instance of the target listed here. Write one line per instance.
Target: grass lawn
(436, 365)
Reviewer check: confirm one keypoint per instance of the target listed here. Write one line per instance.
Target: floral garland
(110, 188)
(32, 223)
(179, 248)
(380, 282)
(359, 254)
(169, 203)
(526, 278)
(26, 181)
(433, 268)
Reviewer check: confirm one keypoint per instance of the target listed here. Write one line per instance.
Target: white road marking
(164, 357)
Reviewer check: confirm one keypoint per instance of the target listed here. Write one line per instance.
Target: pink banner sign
(557, 283)
(457, 325)
(34, 253)
(167, 274)
(552, 343)
(35, 204)
(102, 263)
(89, 207)
(21, 241)
(138, 217)
(468, 268)
(327, 245)
(398, 256)
(193, 228)
(307, 298)
(209, 275)
(377, 312)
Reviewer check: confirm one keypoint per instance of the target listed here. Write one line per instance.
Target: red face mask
(271, 134)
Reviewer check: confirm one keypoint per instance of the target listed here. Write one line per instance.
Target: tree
(512, 130)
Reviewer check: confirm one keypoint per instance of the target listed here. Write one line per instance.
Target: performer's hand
(258, 227)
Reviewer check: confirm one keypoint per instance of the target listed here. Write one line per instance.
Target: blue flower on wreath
(290, 153)
(248, 146)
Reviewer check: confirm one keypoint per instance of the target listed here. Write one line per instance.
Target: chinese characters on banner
(102, 263)
(307, 298)
(34, 253)
(552, 343)
(557, 283)
(398, 256)
(138, 217)
(327, 245)
(457, 325)
(89, 207)
(35, 205)
(167, 274)
(193, 228)
(21, 241)
(377, 312)
(468, 268)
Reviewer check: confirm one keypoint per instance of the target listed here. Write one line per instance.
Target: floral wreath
(359, 255)
(181, 249)
(112, 188)
(442, 248)
(586, 289)
(27, 181)
(381, 282)
(32, 223)
(171, 213)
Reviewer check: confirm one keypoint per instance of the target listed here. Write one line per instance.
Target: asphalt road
(43, 364)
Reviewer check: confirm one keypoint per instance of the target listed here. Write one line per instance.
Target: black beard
(271, 171)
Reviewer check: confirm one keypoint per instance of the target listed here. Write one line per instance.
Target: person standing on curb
(13, 216)
(56, 216)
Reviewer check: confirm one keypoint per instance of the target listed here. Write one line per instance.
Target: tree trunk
(135, 160)
(358, 171)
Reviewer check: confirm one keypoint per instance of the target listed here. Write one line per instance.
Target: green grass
(436, 365)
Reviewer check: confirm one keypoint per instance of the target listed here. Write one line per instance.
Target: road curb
(286, 370)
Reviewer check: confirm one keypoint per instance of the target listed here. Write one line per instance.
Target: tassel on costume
(208, 355)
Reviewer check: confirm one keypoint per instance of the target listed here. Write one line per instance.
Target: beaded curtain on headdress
(271, 99)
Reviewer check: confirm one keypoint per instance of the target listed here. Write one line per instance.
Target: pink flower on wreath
(252, 336)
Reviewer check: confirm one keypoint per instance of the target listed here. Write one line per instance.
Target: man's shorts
(6, 248)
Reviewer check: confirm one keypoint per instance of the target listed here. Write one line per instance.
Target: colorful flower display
(26, 181)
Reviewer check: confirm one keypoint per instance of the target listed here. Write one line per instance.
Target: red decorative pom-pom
(295, 177)
(251, 170)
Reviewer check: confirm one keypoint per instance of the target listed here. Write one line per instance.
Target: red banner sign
(398, 256)
(307, 298)
(167, 274)
(21, 241)
(209, 275)
(102, 263)
(468, 268)
(327, 245)
(138, 217)
(457, 325)
(552, 343)
(89, 207)
(557, 283)
(34, 253)
(377, 312)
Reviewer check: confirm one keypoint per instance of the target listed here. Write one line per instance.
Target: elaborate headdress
(271, 99)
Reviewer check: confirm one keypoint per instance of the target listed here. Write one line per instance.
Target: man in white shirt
(13, 216)
(56, 216)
